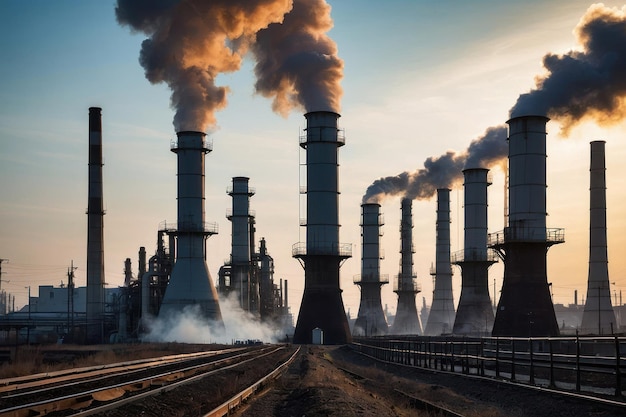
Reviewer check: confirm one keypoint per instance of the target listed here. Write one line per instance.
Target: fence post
(497, 357)
(532, 364)
(482, 357)
(551, 384)
(577, 362)
(512, 359)
(618, 371)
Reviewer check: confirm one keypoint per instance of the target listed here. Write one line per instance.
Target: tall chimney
(190, 283)
(95, 232)
(322, 306)
(598, 316)
(240, 252)
(525, 308)
(371, 320)
(407, 319)
(441, 317)
(474, 315)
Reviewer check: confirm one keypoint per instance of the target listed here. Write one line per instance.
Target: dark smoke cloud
(190, 42)
(444, 171)
(587, 84)
(297, 63)
(579, 85)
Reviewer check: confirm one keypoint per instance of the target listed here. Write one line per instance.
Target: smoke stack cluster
(95, 232)
(407, 320)
(598, 316)
(441, 317)
(474, 313)
(371, 320)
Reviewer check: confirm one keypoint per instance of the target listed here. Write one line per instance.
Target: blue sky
(420, 78)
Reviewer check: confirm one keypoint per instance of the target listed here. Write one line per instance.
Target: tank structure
(95, 233)
(598, 315)
(407, 321)
(371, 320)
(474, 315)
(321, 256)
(525, 308)
(441, 317)
(190, 284)
(241, 276)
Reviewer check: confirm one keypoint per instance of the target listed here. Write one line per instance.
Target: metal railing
(474, 255)
(582, 364)
(526, 234)
(371, 278)
(189, 227)
(410, 286)
(322, 248)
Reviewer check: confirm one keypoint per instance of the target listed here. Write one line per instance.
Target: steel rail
(108, 393)
(47, 380)
(169, 387)
(237, 399)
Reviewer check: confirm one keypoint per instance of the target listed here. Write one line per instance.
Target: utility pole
(2, 298)
(1, 260)
(70, 301)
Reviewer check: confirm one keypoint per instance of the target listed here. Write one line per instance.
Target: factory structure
(407, 321)
(371, 319)
(176, 279)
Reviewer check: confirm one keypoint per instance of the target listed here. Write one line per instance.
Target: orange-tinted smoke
(297, 63)
(190, 42)
(587, 84)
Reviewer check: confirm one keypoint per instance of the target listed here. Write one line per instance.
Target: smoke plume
(297, 63)
(444, 171)
(578, 85)
(191, 42)
(189, 326)
(587, 84)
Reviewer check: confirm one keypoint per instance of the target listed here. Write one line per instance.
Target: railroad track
(88, 391)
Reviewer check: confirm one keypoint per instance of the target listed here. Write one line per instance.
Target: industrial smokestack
(240, 252)
(525, 307)
(190, 282)
(371, 320)
(407, 320)
(322, 306)
(474, 314)
(598, 316)
(95, 232)
(441, 317)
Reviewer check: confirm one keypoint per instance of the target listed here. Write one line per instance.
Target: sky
(420, 78)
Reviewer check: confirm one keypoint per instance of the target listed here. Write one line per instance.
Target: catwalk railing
(595, 365)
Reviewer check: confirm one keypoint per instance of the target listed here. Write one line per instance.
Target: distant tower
(525, 307)
(441, 317)
(407, 320)
(95, 232)
(190, 283)
(322, 255)
(598, 316)
(241, 263)
(371, 320)
(474, 315)
(267, 306)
